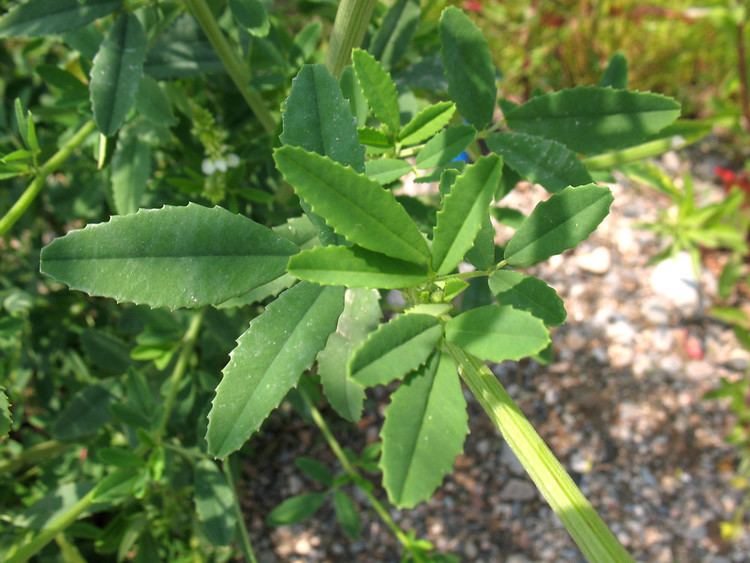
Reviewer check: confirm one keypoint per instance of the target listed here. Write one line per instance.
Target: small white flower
(220, 164)
(207, 166)
(233, 161)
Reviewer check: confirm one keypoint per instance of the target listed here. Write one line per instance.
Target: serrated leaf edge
(142, 211)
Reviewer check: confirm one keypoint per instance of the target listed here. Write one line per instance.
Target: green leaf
(352, 92)
(5, 417)
(539, 160)
(72, 90)
(395, 349)
(116, 73)
(315, 470)
(468, 67)
(360, 317)
(386, 170)
(528, 294)
(498, 333)
(36, 18)
(214, 503)
(317, 118)
(106, 352)
(353, 205)
(616, 73)
(252, 15)
(508, 216)
(84, 414)
(269, 358)
(593, 119)
(445, 146)
(559, 223)
(424, 430)
(463, 211)
(153, 104)
(131, 167)
(346, 514)
(182, 51)
(482, 253)
(426, 123)
(170, 257)
(119, 457)
(355, 267)
(392, 38)
(377, 141)
(296, 509)
(378, 88)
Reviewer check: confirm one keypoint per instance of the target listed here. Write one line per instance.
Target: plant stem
(28, 550)
(34, 455)
(355, 475)
(742, 74)
(188, 343)
(352, 19)
(247, 547)
(656, 147)
(36, 185)
(236, 69)
(585, 526)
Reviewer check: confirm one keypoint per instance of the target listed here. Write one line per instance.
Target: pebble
(518, 490)
(597, 261)
(675, 281)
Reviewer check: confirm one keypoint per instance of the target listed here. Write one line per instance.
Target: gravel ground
(621, 406)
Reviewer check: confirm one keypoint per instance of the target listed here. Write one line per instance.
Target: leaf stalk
(585, 526)
(39, 181)
(355, 475)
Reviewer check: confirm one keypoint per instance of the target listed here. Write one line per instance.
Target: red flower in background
(473, 5)
(731, 179)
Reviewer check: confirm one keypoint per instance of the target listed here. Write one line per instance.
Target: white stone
(674, 280)
(598, 261)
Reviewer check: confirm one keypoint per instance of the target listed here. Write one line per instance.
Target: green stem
(355, 475)
(28, 550)
(585, 526)
(188, 343)
(352, 19)
(34, 455)
(247, 547)
(474, 274)
(236, 69)
(36, 185)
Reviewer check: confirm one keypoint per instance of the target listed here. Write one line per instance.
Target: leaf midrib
(414, 444)
(362, 210)
(396, 349)
(541, 116)
(270, 364)
(159, 257)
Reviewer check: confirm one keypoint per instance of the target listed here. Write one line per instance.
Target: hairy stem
(352, 19)
(236, 69)
(247, 547)
(585, 526)
(36, 185)
(355, 475)
(188, 343)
